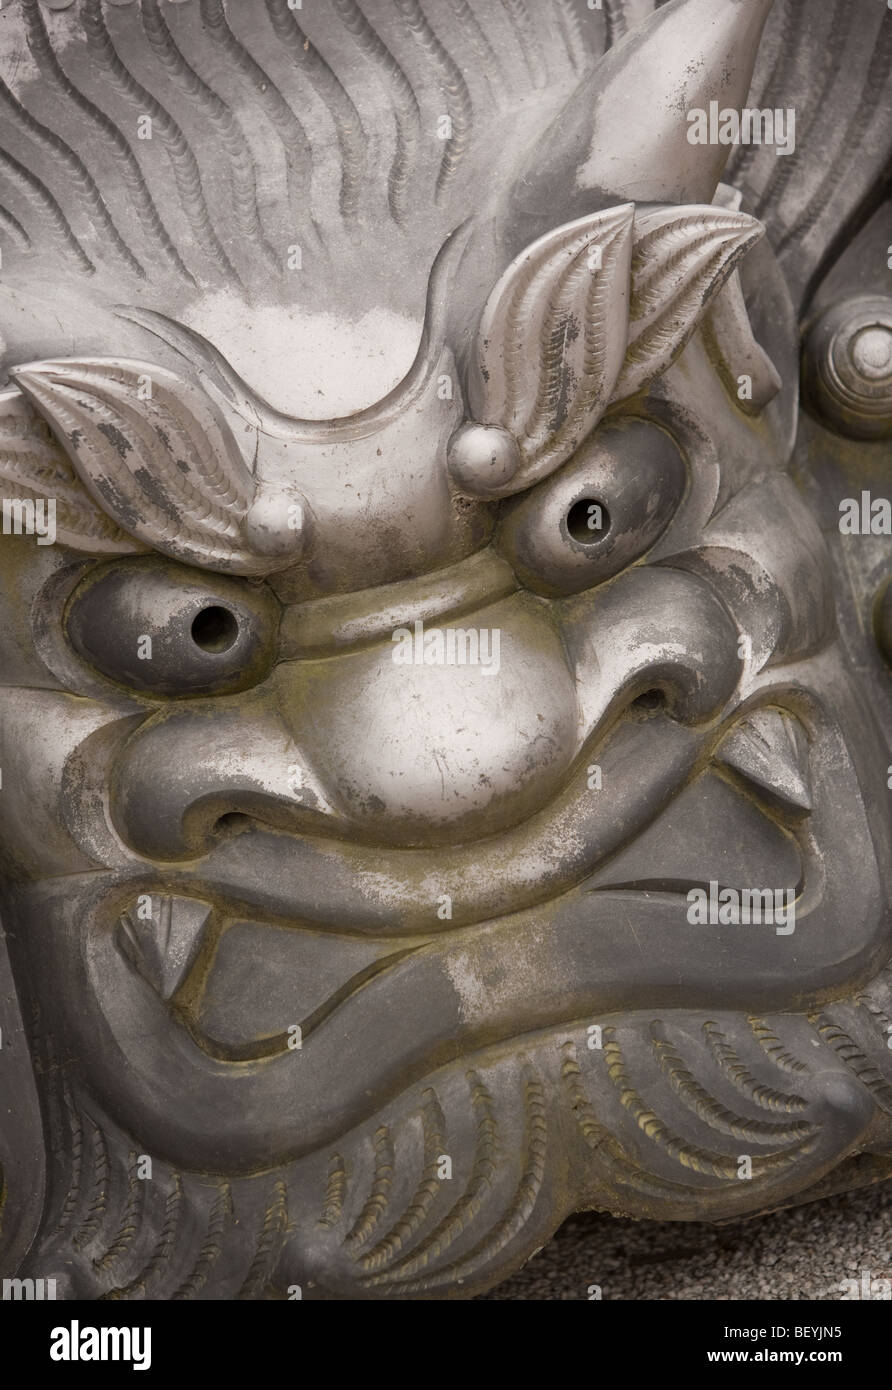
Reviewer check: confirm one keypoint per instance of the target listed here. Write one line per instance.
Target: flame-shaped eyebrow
(217, 373)
(585, 318)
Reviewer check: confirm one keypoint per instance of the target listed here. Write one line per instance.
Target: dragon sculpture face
(364, 745)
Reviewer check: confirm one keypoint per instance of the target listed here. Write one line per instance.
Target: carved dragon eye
(153, 625)
(598, 514)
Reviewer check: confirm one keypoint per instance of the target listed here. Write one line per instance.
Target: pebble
(803, 1253)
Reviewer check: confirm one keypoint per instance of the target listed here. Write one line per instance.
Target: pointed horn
(623, 136)
(240, 397)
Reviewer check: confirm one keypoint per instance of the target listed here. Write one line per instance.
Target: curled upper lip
(395, 892)
(174, 947)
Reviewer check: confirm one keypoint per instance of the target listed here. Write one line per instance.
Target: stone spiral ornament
(445, 632)
(849, 360)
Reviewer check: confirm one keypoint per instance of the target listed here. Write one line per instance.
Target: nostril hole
(648, 702)
(231, 823)
(214, 629)
(588, 521)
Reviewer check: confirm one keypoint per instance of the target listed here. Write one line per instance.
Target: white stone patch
(313, 365)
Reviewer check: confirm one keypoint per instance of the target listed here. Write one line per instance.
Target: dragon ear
(160, 460)
(585, 317)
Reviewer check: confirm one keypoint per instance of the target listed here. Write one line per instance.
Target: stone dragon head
(419, 586)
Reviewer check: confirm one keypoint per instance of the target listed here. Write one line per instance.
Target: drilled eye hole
(588, 521)
(214, 629)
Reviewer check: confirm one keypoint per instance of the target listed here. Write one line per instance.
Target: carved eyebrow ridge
(218, 373)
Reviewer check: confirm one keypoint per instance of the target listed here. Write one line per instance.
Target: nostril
(232, 823)
(587, 521)
(214, 629)
(649, 702)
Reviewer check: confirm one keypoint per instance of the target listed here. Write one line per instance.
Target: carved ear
(162, 462)
(585, 317)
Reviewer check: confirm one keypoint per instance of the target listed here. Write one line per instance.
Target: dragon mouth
(245, 986)
(293, 987)
(341, 886)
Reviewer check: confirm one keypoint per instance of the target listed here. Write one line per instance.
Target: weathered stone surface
(444, 700)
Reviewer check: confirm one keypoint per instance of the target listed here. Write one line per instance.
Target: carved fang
(163, 944)
(770, 750)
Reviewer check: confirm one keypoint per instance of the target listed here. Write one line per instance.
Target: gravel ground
(805, 1253)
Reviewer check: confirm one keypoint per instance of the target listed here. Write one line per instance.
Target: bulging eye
(601, 512)
(153, 625)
